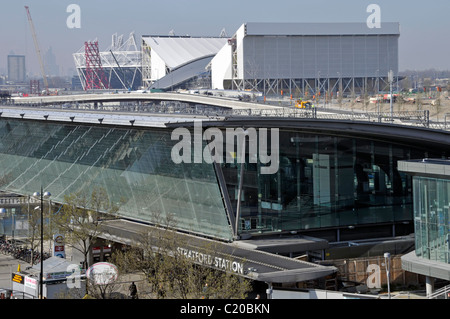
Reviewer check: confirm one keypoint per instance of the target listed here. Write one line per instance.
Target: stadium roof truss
(115, 60)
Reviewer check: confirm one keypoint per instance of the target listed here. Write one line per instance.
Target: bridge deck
(99, 117)
(110, 97)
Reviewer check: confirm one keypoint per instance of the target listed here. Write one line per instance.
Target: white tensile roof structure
(187, 55)
(177, 51)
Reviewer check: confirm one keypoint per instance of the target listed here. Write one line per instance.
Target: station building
(431, 188)
(336, 180)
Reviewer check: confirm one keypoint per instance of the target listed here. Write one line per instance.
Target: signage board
(30, 282)
(58, 246)
(102, 273)
(17, 278)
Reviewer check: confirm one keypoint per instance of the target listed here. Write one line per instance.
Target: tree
(170, 273)
(151, 256)
(33, 212)
(81, 219)
(34, 219)
(103, 290)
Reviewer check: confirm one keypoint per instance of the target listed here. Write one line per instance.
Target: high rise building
(51, 67)
(16, 68)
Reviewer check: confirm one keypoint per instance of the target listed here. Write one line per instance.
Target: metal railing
(407, 295)
(15, 294)
(406, 118)
(442, 293)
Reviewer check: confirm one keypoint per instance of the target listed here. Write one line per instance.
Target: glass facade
(134, 167)
(432, 218)
(324, 182)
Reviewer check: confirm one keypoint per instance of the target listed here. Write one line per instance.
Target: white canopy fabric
(177, 51)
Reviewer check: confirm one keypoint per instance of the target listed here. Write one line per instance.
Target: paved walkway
(8, 265)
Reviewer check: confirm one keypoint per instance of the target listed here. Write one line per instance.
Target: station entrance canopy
(236, 257)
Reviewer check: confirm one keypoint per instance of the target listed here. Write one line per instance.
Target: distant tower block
(95, 77)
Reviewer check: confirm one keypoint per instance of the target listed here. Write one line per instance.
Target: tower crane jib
(38, 51)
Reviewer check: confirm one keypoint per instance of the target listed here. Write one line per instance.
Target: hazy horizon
(423, 40)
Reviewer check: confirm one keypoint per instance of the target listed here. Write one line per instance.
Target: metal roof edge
(319, 28)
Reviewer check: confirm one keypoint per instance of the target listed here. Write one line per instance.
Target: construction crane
(38, 51)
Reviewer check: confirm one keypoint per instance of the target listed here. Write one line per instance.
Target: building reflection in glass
(324, 182)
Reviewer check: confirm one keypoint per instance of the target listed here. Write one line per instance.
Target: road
(8, 265)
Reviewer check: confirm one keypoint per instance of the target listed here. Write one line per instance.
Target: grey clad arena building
(302, 58)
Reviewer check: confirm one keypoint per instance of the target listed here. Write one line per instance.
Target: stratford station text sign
(212, 261)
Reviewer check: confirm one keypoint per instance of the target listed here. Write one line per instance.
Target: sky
(424, 25)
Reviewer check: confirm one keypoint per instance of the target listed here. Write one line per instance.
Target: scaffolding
(336, 87)
(146, 65)
(35, 87)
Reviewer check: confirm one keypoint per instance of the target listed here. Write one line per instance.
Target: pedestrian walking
(205, 292)
(133, 291)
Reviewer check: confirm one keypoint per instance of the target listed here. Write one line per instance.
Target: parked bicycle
(8, 247)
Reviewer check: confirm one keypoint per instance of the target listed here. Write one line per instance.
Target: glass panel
(134, 167)
(323, 182)
(432, 218)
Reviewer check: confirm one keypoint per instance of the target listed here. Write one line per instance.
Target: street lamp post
(387, 263)
(241, 181)
(41, 274)
(391, 81)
